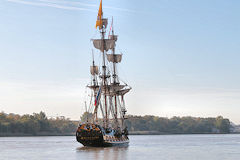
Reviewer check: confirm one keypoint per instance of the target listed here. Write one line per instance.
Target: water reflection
(108, 153)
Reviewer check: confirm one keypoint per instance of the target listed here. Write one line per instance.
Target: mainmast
(104, 77)
(101, 23)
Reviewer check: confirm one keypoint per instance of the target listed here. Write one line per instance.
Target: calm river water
(162, 147)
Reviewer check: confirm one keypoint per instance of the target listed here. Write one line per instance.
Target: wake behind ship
(106, 125)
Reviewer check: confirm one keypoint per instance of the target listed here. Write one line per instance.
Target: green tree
(223, 124)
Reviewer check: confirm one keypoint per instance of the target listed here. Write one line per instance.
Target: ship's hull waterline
(96, 136)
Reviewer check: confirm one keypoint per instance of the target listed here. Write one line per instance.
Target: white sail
(109, 44)
(94, 70)
(115, 58)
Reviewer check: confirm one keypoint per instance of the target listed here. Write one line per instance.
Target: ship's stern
(90, 135)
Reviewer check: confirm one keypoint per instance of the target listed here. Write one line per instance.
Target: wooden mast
(104, 77)
(114, 80)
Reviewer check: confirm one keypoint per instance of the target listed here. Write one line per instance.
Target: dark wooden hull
(99, 138)
(102, 143)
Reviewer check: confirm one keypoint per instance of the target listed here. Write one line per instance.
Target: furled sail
(117, 87)
(115, 58)
(111, 89)
(109, 44)
(113, 37)
(95, 88)
(105, 22)
(123, 92)
(94, 70)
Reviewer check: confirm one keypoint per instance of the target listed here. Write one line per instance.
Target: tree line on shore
(35, 124)
(178, 125)
(38, 123)
(174, 125)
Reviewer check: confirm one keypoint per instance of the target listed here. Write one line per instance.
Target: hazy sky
(181, 57)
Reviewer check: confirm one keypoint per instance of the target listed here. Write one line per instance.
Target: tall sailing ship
(107, 95)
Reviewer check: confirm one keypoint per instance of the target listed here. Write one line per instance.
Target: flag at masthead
(99, 22)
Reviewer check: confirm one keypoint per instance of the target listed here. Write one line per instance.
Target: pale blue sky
(180, 56)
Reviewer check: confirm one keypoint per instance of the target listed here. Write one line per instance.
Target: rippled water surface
(162, 147)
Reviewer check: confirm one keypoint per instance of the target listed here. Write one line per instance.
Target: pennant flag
(111, 28)
(99, 17)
